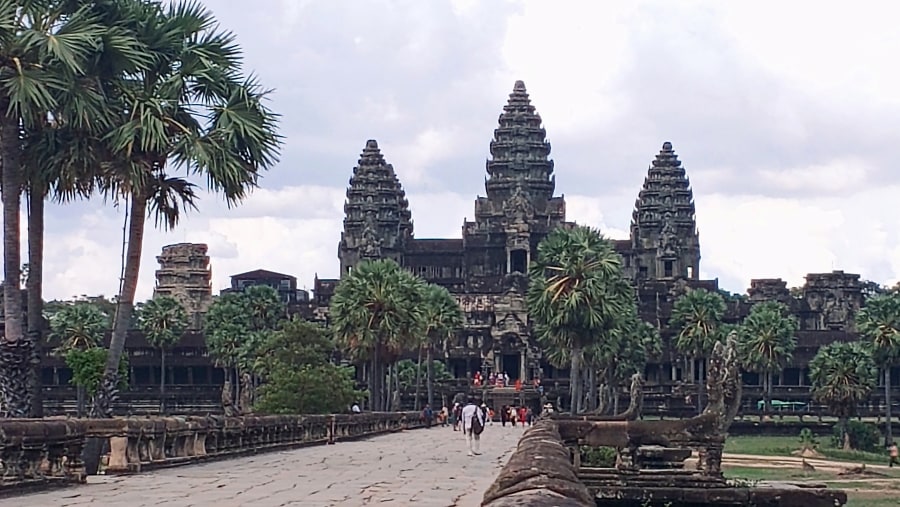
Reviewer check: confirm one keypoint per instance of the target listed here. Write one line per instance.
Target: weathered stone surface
(421, 468)
(539, 473)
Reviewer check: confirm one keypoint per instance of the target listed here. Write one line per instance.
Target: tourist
(504, 415)
(521, 416)
(895, 457)
(355, 408)
(428, 415)
(513, 416)
(529, 416)
(490, 416)
(473, 425)
(445, 414)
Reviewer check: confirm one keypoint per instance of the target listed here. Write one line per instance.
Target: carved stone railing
(137, 444)
(40, 453)
(46, 452)
(539, 473)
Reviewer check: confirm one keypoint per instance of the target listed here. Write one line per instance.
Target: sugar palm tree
(576, 291)
(842, 375)
(48, 52)
(192, 110)
(376, 312)
(163, 320)
(879, 321)
(766, 342)
(442, 316)
(698, 316)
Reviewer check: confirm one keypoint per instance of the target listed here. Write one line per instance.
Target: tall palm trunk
(162, 381)
(108, 391)
(429, 374)
(374, 372)
(418, 379)
(34, 286)
(16, 350)
(575, 381)
(889, 435)
(767, 394)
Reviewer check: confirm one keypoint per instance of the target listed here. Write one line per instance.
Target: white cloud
(784, 114)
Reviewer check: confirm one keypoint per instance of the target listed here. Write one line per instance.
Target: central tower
(520, 208)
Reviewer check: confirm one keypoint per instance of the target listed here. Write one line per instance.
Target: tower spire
(663, 224)
(520, 151)
(377, 219)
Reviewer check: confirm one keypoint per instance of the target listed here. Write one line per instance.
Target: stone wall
(539, 473)
(40, 453)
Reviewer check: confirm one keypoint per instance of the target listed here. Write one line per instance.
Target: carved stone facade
(185, 275)
(377, 220)
(664, 242)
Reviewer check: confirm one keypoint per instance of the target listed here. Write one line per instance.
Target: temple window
(669, 268)
(518, 261)
(643, 271)
(690, 272)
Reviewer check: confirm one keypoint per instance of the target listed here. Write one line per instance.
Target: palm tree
(442, 316)
(576, 291)
(78, 327)
(766, 342)
(879, 321)
(842, 375)
(47, 53)
(698, 317)
(191, 110)
(163, 320)
(376, 312)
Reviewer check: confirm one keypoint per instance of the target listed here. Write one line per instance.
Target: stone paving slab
(425, 467)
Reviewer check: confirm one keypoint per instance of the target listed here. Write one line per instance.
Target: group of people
(513, 415)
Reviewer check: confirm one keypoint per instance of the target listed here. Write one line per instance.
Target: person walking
(472, 426)
(895, 455)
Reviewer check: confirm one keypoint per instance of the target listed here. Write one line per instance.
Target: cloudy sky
(785, 114)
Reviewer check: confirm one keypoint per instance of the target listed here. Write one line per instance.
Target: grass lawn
(859, 493)
(783, 446)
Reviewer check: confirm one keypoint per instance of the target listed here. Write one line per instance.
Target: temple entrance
(510, 365)
(518, 262)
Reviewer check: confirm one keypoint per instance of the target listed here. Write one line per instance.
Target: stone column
(522, 373)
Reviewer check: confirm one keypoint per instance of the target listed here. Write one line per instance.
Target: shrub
(600, 457)
(863, 436)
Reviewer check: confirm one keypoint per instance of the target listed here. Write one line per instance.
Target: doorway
(510, 364)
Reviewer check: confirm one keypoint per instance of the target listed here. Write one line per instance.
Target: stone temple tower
(664, 239)
(377, 220)
(184, 274)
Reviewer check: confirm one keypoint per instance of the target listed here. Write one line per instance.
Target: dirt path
(757, 461)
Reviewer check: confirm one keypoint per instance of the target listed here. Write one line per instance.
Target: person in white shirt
(473, 425)
(355, 408)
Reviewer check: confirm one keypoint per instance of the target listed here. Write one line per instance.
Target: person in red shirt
(522, 415)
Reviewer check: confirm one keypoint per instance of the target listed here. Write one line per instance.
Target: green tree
(299, 377)
(238, 327)
(47, 53)
(441, 317)
(376, 313)
(163, 320)
(766, 342)
(576, 291)
(842, 375)
(879, 322)
(79, 329)
(697, 315)
(192, 110)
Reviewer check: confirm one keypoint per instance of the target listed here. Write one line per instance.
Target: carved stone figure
(246, 401)
(228, 399)
(370, 244)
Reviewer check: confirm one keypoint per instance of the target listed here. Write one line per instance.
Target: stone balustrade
(41, 452)
(540, 473)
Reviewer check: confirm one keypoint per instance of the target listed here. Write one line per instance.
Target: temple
(485, 269)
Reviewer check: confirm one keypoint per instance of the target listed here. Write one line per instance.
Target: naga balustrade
(40, 452)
